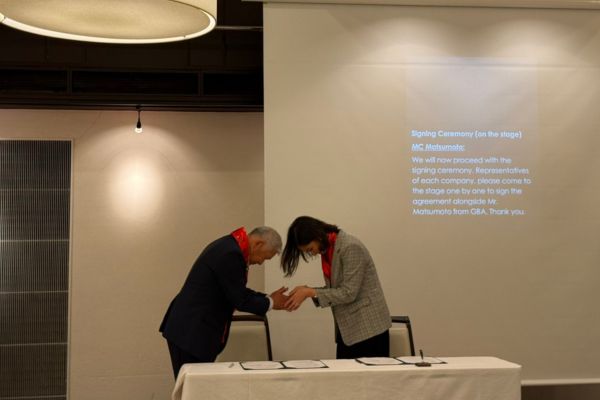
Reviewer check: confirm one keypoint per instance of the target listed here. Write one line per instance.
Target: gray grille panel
(34, 267)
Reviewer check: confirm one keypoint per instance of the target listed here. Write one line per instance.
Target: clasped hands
(292, 300)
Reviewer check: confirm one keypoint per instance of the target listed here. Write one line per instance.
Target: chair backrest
(249, 340)
(401, 337)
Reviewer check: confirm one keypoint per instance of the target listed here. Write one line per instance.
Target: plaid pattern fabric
(354, 292)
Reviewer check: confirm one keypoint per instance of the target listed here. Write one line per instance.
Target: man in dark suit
(196, 325)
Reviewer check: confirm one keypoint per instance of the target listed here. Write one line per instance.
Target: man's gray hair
(270, 236)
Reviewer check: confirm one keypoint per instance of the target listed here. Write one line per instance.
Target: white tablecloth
(462, 378)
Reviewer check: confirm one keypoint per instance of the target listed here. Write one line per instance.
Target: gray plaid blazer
(354, 292)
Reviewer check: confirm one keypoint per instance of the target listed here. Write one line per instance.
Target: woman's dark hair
(301, 232)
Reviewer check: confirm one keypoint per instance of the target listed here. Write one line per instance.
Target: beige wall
(143, 208)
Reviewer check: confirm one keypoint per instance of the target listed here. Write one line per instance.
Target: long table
(461, 378)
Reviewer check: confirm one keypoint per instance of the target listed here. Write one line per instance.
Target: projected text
(470, 173)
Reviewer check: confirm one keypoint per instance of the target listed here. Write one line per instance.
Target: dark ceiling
(220, 71)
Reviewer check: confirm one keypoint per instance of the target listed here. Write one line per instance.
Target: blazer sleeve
(230, 273)
(354, 263)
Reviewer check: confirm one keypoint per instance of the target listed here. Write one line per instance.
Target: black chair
(401, 337)
(249, 339)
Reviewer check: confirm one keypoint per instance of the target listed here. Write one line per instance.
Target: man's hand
(297, 297)
(279, 298)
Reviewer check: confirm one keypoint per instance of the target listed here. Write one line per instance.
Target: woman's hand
(297, 297)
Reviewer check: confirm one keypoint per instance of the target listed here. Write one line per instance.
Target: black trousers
(376, 346)
(180, 357)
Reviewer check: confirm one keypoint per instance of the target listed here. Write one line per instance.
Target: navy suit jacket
(199, 317)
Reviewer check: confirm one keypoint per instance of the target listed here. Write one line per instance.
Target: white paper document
(378, 361)
(304, 364)
(417, 359)
(261, 365)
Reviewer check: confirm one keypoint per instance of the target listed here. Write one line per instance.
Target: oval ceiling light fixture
(112, 21)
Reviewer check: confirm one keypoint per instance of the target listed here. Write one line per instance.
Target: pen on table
(230, 365)
(422, 363)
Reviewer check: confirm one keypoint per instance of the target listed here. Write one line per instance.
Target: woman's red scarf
(327, 257)
(241, 237)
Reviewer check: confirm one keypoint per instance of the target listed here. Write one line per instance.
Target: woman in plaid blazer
(352, 288)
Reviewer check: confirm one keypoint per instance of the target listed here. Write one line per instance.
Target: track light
(138, 126)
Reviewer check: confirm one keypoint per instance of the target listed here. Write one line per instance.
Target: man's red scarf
(327, 257)
(241, 238)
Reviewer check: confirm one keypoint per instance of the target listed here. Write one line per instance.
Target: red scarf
(327, 257)
(241, 238)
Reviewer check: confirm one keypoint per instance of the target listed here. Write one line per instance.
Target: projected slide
(472, 139)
